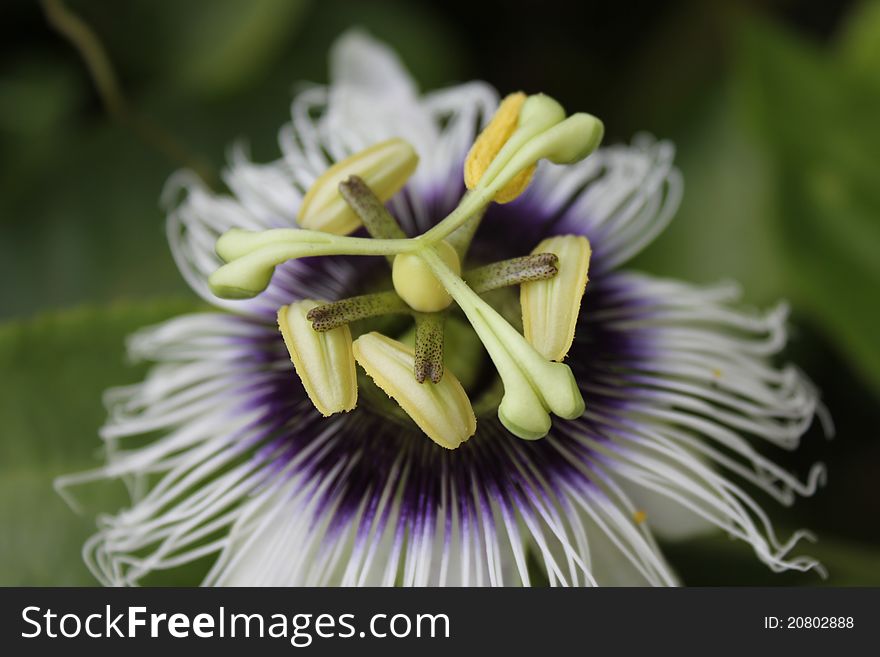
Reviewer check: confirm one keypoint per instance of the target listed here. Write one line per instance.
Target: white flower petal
(620, 197)
(196, 399)
(361, 62)
(664, 517)
(699, 391)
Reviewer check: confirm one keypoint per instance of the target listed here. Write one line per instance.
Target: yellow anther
(442, 410)
(550, 307)
(490, 142)
(324, 361)
(416, 284)
(384, 167)
(639, 517)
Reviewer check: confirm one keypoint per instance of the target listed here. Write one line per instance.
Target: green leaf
(223, 44)
(55, 369)
(721, 231)
(818, 122)
(200, 48)
(859, 45)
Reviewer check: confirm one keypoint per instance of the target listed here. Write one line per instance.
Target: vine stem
(89, 47)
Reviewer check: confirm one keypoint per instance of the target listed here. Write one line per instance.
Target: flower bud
(442, 410)
(324, 361)
(384, 167)
(550, 307)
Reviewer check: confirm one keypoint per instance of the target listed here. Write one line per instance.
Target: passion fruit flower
(493, 398)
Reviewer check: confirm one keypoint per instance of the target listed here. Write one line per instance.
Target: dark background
(773, 107)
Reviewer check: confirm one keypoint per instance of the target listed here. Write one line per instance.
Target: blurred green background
(774, 107)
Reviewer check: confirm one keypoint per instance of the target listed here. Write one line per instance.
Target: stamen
(490, 141)
(515, 271)
(569, 141)
(550, 308)
(363, 200)
(328, 316)
(442, 410)
(323, 361)
(532, 385)
(563, 142)
(543, 132)
(537, 113)
(417, 285)
(252, 256)
(385, 167)
(426, 277)
(429, 347)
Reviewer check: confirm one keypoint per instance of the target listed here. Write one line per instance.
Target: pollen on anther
(490, 142)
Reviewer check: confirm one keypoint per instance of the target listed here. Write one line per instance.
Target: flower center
(416, 284)
(427, 276)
